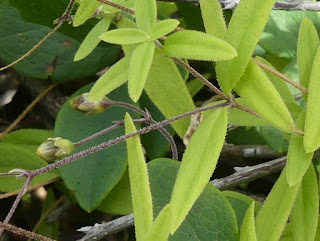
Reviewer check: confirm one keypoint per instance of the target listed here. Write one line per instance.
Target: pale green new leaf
(85, 11)
(146, 14)
(168, 91)
(163, 28)
(125, 36)
(139, 182)
(116, 76)
(312, 125)
(258, 91)
(305, 212)
(198, 164)
(298, 160)
(92, 39)
(308, 43)
(276, 209)
(212, 16)
(243, 33)
(160, 229)
(248, 231)
(196, 45)
(140, 63)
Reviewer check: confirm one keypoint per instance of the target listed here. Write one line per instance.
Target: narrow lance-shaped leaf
(212, 16)
(139, 183)
(275, 211)
(196, 45)
(160, 229)
(146, 14)
(124, 36)
(312, 125)
(199, 162)
(116, 76)
(305, 212)
(248, 231)
(298, 160)
(163, 27)
(85, 11)
(258, 91)
(92, 39)
(139, 67)
(243, 33)
(308, 42)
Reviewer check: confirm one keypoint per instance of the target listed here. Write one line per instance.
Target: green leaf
(139, 182)
(199, 161)
(194, 86)
(160, 229)
(275, 211)
(211, 217)
(274, 138)
(308, 42)
(146, 14)
(54, 59)
(116, 76)
(197, 45)
(85, 11)
(168, 91)
(262, 96)
(243, 33)
(163, 28)
(125, 36)
(92, 39)
(213, 20)
(312, 125)
(298, 160)
(305, 212)
(94, 176)
(18, 150)
(248, 232)
(139, 67)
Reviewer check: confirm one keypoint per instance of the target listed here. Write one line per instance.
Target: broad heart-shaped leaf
(160, 229)
(92, 39)
(198, 164)
(211, 217)
(139, 67)
(125, 36)
(275, 211)
(85, 11)
(213, 19)
(18, 150)
(243, 33)
(146, 14)
(139, 182)
(248, 232)
(191, 44)
(168, 91)
(93, 177)
(22, 27)
(258, 91)
(116, 76)
(163, 27)
(305, 212)
(312, 125)
(308, 43)
(298, 160)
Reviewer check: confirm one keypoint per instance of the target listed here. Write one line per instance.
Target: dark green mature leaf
(94, 176)
(18, 150)
(210, 219)
(22, 26)
(274, 138)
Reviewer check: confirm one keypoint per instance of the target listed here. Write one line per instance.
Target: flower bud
(82, 103)
(54, 148)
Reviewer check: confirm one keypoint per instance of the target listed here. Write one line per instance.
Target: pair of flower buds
(57, 148)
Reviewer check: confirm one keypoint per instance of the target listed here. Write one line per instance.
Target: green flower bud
(82, 103)
(55, 148)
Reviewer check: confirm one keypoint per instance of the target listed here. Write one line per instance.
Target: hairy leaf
(125, 36)
(146, 14)
(85, 11)
(248, 232)
(163, 28)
